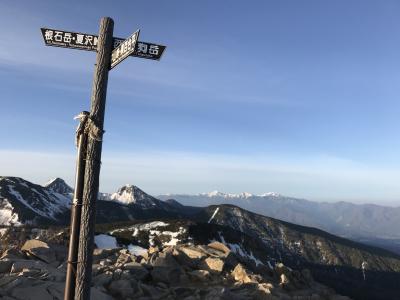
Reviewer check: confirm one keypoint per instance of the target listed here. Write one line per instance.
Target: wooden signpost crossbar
(110, 52)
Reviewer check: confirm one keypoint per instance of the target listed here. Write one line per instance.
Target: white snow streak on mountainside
(23, 201)
(213, 215)
(240, 251)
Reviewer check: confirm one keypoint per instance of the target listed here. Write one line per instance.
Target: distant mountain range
(369, 223)
(335, 261)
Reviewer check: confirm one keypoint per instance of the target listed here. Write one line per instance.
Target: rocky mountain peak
(129, 194)
(58, 185)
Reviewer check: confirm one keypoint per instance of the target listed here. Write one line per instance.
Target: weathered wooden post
(93, 159)
(81, 140)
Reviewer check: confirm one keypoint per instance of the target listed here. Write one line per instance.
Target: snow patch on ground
(104, 241)
(7, 216)
(140, 227)
(3, 231)
(137, 250)
(173, 236)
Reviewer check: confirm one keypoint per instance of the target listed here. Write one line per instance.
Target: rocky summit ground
(35, 269)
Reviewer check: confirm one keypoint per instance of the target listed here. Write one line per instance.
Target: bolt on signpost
(110, 52)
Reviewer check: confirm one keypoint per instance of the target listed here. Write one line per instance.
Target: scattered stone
(219, 246)
(153, 249)
(185, 271)
(192, 252)
(99, 254)
(214, 265)
(240, 274)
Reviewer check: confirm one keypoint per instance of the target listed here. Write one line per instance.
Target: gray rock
(32, 292)
(167, 275)
(137, 270)
(56, 290)
(103, 253)
(103, 279)
(5, 265)
(121, 288)
(13, 254)
(123, 258)
(154, 292)
(165, 269)
(96, 294)
(199, 275)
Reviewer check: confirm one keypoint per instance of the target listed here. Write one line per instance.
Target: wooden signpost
(110, 52)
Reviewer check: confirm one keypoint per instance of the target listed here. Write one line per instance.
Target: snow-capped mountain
(374, 224)
(129, 194)
(58, 185)
(22, 202)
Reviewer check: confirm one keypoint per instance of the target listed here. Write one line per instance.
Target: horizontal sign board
(84, 41)
(124, 49)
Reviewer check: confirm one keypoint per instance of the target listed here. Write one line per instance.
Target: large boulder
(214, 265)
(19, 265)
(32, 292)
(40, 250)
(121, 288)
(5, 265)
(199, 275)
(97, 294)
(220, 247)
(240, 274)
(136, 270)
(192, 252)
(103, 279)
(166, 269)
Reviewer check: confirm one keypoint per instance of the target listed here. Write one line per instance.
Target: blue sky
(296, 97)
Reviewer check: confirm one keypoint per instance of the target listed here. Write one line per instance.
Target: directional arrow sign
(85, 41)
(125, 49)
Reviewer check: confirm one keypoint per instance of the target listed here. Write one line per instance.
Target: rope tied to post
(87, 126)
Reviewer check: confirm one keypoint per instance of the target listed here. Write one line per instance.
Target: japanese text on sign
(126, 48)
(70, 39)
(83, 41)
